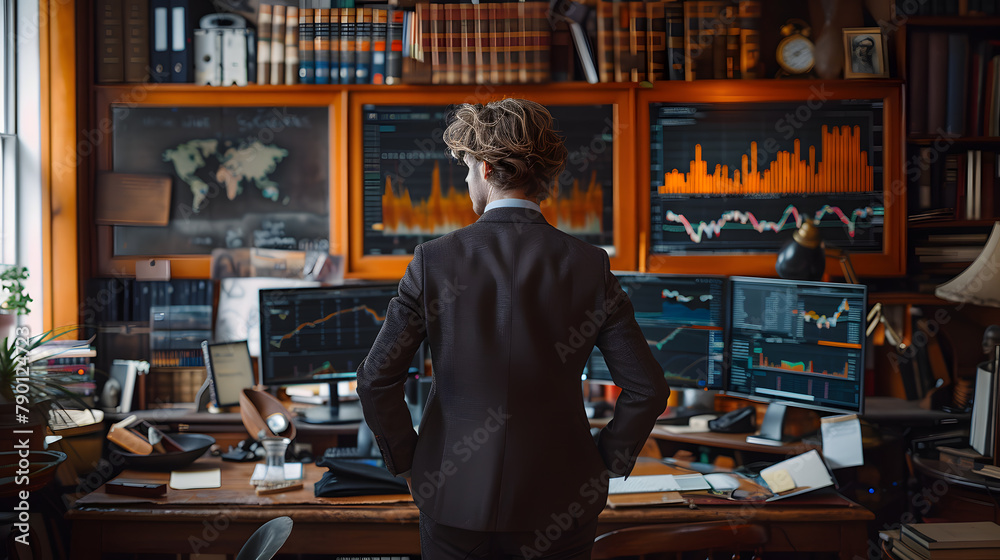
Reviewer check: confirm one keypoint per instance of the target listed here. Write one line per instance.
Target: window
(8, 247)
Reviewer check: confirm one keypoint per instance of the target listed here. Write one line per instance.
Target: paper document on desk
(658, 483)
(798, 475)
(842, 441)
(293, 471)
(194, 480)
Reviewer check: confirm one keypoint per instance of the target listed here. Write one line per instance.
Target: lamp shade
(803, 256)
(979, 284)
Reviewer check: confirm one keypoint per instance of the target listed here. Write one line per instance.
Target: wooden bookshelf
(84, 250)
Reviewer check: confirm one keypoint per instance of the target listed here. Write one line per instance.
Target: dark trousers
(442, 542)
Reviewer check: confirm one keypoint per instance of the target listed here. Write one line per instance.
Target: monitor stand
(336, 412)
(771, 428)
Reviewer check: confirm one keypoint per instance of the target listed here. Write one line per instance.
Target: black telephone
(739, 421)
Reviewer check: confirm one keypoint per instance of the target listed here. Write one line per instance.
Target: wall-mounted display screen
(414, 191)
(732, 178)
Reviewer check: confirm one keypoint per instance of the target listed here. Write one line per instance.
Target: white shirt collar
(512, 203)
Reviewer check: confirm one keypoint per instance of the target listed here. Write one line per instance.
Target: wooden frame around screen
(890, 262)
(154, 95)
(619, 95)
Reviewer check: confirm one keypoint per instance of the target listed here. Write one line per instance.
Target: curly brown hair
(516, 137)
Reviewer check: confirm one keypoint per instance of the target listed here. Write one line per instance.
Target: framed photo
(864, 53)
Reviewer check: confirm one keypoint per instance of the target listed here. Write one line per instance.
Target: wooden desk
(227, 427)
(220, 521)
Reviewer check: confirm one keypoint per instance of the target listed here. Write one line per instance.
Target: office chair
(670, 540)
(265, 542)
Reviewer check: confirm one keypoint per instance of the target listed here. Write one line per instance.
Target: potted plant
(16, 301)
(34, 391)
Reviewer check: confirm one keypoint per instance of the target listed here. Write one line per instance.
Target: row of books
(167, 386)
(176, 334)
(975, 540)
(146, 40)
(348, 45)
(277, 44)
(721, 39)
(954, 84)
(67, 363)
(437, 42)
(114, 300)
(440, 42)
(954, 185)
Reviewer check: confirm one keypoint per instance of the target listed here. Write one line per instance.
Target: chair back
(265, 542)
(680, 537)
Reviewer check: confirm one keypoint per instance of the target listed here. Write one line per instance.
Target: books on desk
(948, 541)
(658, 483)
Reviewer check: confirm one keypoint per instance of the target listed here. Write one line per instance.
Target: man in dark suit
(505, 464)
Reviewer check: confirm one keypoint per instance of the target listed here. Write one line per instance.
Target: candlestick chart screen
(736, 178)
(798, 342)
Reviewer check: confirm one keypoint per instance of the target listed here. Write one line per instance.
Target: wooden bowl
(256, 406)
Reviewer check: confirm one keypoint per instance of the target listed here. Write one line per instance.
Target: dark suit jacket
(512, 308)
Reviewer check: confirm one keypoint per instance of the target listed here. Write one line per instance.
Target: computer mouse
(720, 481)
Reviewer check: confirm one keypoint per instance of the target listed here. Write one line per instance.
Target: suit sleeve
(633, 368)
(382, 374)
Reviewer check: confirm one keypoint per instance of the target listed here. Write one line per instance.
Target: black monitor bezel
(270, 381)
(727, 384)
(207, 348)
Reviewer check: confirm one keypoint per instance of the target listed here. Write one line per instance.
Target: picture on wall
(241, 177)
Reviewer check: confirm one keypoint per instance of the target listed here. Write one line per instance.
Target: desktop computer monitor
(682, 318)
(795, 343)
(320, 335)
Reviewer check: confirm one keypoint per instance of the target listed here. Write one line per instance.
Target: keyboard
(658, 483)
(342, 453)
(352, 453)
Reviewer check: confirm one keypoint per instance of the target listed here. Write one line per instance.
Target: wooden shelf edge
(952, 223)
(336, 88)
(953, 21)
(926, 140)
(906, 298)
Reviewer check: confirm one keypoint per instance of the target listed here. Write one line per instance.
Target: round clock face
(795, 54)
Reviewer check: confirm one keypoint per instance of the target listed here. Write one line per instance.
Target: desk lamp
(979, 285)
(803, 257)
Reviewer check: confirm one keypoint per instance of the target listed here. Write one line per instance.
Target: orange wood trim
(890, 262)
(60, 250)
(625, 225)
